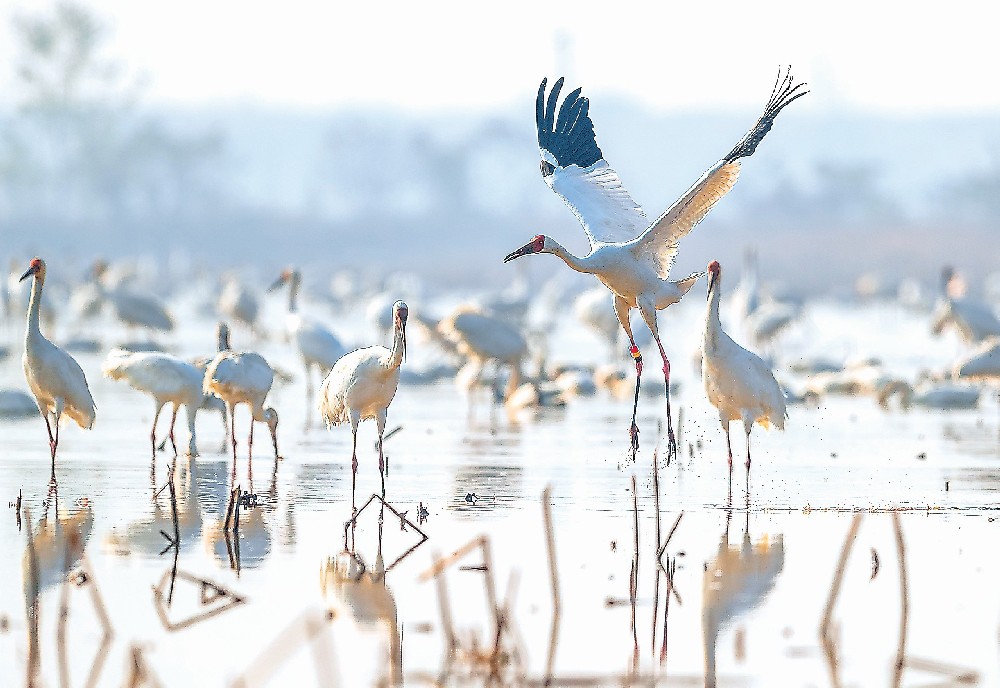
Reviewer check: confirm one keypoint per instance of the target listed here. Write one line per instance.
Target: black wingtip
(785, 92)
(568, 136)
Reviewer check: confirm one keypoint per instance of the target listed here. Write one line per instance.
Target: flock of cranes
(630, 255)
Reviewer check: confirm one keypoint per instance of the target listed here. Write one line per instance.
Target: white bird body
(166, 378)
(238, 303)
(737, 382)
(243, 377)
(974, 320)
(54, 377)
(361, 385)
(135, 309)
(629, 255)
(482, 338)
(981, 364)
(317, 346)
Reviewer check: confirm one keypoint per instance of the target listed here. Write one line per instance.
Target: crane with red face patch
(737, 382)
(54, 377)
(629, 255)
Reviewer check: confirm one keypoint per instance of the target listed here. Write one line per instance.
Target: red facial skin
(537, 244)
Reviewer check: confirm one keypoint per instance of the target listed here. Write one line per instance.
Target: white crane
(54, 377)
(974, 320)
(318, 347)
(738, 382)
(243, 377)
(166, 378)
(362, 385)
(238, 303)
(595, 308)
(630, 255)
(481, 338)
(133, 308)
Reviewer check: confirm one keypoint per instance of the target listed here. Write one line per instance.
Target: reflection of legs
(621, 310)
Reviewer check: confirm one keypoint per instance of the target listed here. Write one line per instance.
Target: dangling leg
(621, 310)
(649, 315)
(173, 421)
(380, 423)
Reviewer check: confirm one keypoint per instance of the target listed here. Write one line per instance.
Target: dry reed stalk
(826, 638)
(904, 595)
(550, 544)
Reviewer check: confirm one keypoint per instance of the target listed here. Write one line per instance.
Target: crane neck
(34, 306)
(574, 262)
(398, 348)
(293, 293)
(713, 325)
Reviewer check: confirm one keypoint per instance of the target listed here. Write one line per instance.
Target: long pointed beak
(274, 441)
(711, 284)
(28, 273)
(402, 327)
(525, 250)
(277, 283)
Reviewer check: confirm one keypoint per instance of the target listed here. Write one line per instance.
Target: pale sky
(896, 56)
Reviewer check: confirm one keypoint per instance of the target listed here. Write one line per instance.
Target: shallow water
(753, 571)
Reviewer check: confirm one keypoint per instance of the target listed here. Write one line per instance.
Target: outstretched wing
(658, 244)
(574, 167)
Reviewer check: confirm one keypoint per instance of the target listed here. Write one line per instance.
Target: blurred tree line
(77, 147)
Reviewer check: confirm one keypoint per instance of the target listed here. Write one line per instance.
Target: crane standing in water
(54, 377)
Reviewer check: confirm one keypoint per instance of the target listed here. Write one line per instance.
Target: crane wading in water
(54, 377)
(362, 385)
(737, 382)
(628, 254)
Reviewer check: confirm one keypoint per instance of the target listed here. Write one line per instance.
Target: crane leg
(55, 447)
(621, 310)
(671, 440)
(381, 465)
(309, 400)
(354, 470)
(152, 431)
(173, 421)
(53, 442)
(232, 433)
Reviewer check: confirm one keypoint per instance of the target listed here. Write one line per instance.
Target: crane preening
(630, 255)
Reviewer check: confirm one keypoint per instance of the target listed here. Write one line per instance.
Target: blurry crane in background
(239, 304)
(974, 320)
(629, 255)
(318, 347)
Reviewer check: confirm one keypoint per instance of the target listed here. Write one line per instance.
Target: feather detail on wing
(600, 202)
(574, 167)
(658, 244)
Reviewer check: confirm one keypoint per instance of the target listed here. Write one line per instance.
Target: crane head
(283, 278)
(536, 245)
(35, 267)
(714, 270)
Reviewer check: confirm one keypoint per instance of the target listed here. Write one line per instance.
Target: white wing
(658, 244)
(574, 167)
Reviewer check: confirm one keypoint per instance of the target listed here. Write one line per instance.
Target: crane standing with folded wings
(628, 254)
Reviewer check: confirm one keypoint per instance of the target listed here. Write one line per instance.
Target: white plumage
(981, 364)
(361, 385)
(737, 382)
(318, 346)
(54, 377)
(481, 338)
(166, 378)
(629, 255)
(243, 378)
(238, 303)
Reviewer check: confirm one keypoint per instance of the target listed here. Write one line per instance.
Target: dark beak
(277, 283)
(402, 327)
(28, 273)
(527, 249)
(711, 283)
